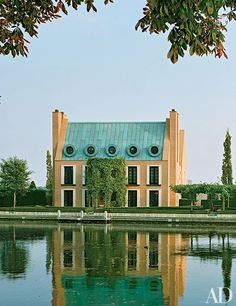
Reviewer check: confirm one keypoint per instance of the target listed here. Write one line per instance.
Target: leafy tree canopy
(14, 175)
(194, 25)
(209, 189)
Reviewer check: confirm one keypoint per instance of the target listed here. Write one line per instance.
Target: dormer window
(153, 150)
(133, 150)
(90, 150)
(112, 150)
(69, 150)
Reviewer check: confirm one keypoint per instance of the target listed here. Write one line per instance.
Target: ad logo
(217, 297)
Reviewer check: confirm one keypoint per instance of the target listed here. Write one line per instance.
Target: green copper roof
(120, 134)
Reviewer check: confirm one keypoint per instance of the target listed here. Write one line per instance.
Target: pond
(64, 265)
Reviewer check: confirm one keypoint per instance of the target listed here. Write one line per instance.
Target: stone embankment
(169, 218)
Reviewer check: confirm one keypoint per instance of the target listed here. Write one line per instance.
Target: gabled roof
(120, 134)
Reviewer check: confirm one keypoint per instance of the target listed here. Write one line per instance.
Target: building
(154, 153)
(113, 266)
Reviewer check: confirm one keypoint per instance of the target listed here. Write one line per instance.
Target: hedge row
(206, 204)
(40, 197)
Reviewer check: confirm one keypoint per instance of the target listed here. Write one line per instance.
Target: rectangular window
(132, 259)
(153, 259)
(132, 176)
(86, 204)
(68, 175)
(87, 198)
(114, 198)
(68, 258)
(153, 198)
(153, 237)
(68, 283)
(153, 175)
(132, 237)
(68, 198)
(132, 198)
(68, 236)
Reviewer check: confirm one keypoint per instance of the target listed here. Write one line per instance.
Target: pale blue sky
(96, 67)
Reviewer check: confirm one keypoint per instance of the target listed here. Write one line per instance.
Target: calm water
(113, 265)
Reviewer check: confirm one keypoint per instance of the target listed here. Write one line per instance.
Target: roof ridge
(89, 122)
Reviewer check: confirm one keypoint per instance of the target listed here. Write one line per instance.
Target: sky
(96, 67)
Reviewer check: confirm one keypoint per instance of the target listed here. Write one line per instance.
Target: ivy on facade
(106, 181)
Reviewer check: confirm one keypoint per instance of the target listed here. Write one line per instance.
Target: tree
(49, 171)
(32, 185)
(198, 25)
(227, 173)
(14, 176)
(213, 191)
(14, 259)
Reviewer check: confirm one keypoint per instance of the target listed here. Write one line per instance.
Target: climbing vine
(106, 181)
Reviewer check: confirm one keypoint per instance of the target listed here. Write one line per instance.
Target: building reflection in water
(113, 264)
(109, 267)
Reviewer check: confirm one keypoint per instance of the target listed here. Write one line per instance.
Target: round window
(112, 150)
(69, 150)
(90, 150)
(153, 150)
(133, 150)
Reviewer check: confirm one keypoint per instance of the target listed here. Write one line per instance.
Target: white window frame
(63, 174)
(83, 174)
(126, 198)
(62, 196)
(83, 196)
(138, 197)
(148, 196)
(148, 174)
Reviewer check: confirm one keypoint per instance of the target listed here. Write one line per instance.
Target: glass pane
(154, 198)
(153, 259)
(154, 175)
(68, 175)
(132, 259)
(132, 175)
(68, 258)
(132, 198)
(68, 198)
(68, 236)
